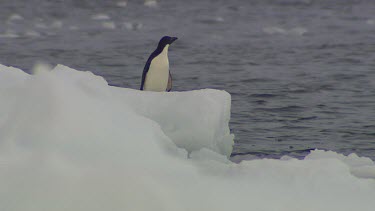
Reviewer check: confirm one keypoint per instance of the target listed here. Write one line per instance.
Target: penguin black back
(166, 40)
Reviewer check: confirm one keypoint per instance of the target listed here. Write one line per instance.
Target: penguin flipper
(145, 70)
(169, 87)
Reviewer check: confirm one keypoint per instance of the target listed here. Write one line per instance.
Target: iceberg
(68, 141)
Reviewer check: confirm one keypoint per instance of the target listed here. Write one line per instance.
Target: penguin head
(166, 40)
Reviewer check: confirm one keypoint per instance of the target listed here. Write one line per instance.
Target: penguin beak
(173, 39)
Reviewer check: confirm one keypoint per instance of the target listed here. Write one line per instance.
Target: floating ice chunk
(211, 20)
(109, 25)
(219, 19)
(71, 142)
(9, 34)
(274, 30)
(32, 33)
(15, 17)
(278, 30)
(137, 26)
(122, 3)
(133, 26)
(100, 17)
(129, 25)
(150, 3)
(57, 24)
(298, 31)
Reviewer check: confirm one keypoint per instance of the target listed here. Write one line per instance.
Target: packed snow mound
(68, 141)
(192, 120)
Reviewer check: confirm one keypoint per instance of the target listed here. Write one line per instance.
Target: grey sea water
(301, 72)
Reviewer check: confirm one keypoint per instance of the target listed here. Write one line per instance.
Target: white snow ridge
(68, 141)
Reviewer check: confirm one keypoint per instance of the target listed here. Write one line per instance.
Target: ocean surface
(301, 72)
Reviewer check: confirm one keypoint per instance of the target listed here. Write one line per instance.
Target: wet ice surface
(301, 73)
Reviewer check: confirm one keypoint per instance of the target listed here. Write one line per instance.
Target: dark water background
(301, 72)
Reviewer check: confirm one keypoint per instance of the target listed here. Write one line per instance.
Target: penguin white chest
(158, 73)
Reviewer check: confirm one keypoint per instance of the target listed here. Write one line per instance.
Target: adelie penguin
(156, 75)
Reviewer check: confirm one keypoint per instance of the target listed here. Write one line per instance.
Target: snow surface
(68, 141)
